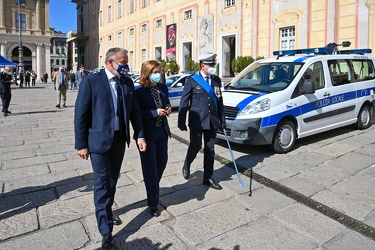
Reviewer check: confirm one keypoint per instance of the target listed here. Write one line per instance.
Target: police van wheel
(284, 138)
(364, 118)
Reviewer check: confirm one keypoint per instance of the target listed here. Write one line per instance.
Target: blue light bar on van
(320, 51)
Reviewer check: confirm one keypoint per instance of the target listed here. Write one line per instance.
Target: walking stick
(234, 161)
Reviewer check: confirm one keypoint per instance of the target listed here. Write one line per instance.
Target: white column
(37, 16)
(2, 11)
(46, 17)
(2, 49)
(48, 60)
(38, 60)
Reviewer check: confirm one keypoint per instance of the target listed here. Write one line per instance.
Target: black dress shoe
(186, 171)
(8, 112)
(5, 114)
(64, 105)
(154, 211)
(58, 106)
(107, 241)
(116, 220)
(212, 183)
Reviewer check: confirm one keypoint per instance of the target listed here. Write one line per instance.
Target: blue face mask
(123, 70)
(155, 78)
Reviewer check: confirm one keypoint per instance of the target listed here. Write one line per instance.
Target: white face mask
(211, 71)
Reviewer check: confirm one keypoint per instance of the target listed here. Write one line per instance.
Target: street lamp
(20, 3)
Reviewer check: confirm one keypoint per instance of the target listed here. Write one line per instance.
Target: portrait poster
(206, 33)
(171, 42)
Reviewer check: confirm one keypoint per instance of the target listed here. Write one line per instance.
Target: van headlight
(256, 107)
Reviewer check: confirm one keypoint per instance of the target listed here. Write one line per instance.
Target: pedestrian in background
(27, 78)
(104, 106)
(202, 97)
(72, 80)
(152, 96)
(45, 77)
(22, 78)
(80, 74)
(60, 79)
(33, 77)
(6, 80)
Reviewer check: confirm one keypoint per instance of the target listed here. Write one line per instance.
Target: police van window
(315, 74)
(363, 70)
(339, 72)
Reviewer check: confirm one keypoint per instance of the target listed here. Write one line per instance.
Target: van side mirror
(307, 87)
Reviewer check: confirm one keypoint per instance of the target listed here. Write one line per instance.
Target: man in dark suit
(105, 104)
(6, 80)
(202, 98)
(80, 74)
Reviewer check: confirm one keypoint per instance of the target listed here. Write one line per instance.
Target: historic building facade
(36, 34)
(179, 30)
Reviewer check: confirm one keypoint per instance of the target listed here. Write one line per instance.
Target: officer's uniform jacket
(202, 109)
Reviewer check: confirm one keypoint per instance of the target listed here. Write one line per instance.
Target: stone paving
(46, 199)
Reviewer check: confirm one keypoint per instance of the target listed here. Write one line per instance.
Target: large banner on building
(206, 34)
(171, 42)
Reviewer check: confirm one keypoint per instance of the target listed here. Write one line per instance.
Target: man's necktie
(120, 107)
(207, 79)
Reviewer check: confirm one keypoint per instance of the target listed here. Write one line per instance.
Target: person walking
(45, 77)
(202, 97)
(22, 78)
(80, 74)
(33, 77)
(152, 96)
(104, 106)
(27, 78)
(60, 79)
(6, 80)
(72, 79)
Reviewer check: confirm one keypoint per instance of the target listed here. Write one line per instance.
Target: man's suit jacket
(57, 79)
(202, 109)
(94, 118)
(148, 109)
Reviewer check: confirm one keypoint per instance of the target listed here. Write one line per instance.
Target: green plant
(174, 66)
(241, 62)
(163, 65)
(192, 66)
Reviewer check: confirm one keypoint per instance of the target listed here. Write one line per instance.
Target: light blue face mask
(155, 77)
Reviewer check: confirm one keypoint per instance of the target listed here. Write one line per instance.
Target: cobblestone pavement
(46, 199)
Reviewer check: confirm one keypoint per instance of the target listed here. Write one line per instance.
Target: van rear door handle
(327, 94)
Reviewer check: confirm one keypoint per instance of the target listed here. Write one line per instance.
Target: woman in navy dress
(152, 96)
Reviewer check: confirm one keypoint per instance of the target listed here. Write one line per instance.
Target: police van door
(342, 92)
(315, 108)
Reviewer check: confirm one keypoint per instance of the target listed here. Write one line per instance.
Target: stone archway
(27, 57)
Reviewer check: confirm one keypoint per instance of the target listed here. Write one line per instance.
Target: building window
(144, 27)
(109, 14)
(82, 25)
(188, 14)
(287, 38)
(158, 23)
(23, 21)
(57, 51)
(229, 3)
(63, 51)
(62, 62)
(93, 21)
(144, 3)
(57, 61)
(131, 9)
(100, 18)
(109, 38)
(144, 55)
(52, 61)
(119, 35)
(101, 40)
(131, 31)
(51, 50)
(119, 9)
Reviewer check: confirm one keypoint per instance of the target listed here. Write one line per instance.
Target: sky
(63, 15)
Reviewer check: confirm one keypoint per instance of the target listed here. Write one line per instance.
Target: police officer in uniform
(202, 98)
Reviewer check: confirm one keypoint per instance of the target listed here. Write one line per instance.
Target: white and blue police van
(299, 93)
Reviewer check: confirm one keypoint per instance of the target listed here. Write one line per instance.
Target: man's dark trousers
(107, 167)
